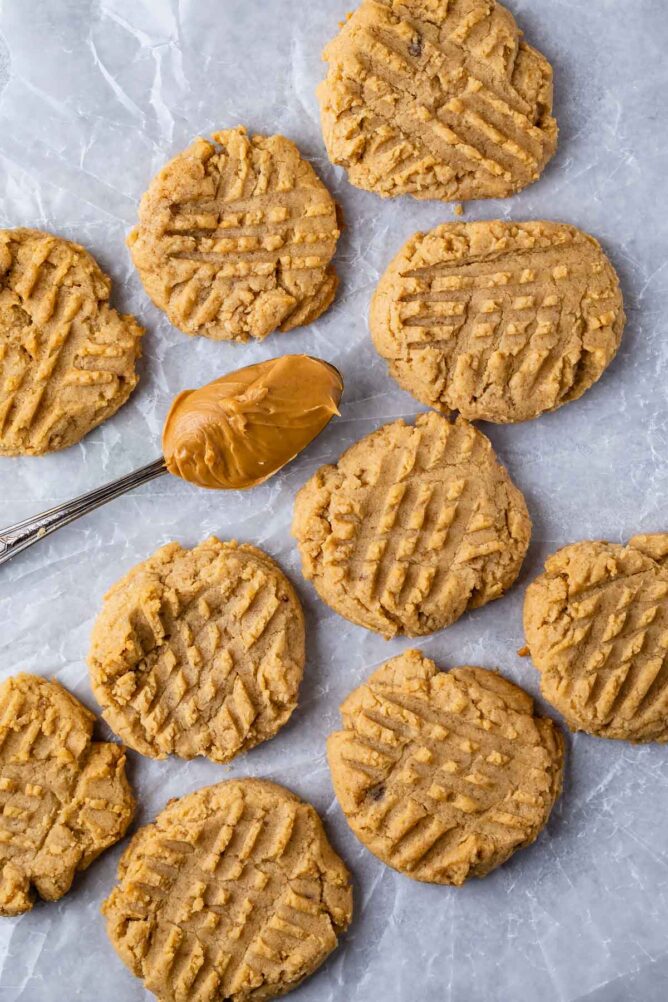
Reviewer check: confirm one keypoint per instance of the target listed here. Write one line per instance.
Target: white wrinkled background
(96, 95)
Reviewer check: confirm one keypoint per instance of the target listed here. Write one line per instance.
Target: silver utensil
(20, 536)
(23, 534)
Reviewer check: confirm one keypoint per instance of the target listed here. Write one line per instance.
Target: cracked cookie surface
(234, 892)
(67, 359)
(235, 237)
(444, 774)
(199, 652)
(437, 99)
(64, 798)
(596, 626)
(498, 321)
(414, 525)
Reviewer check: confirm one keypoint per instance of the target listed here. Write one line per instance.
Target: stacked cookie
(234, 891)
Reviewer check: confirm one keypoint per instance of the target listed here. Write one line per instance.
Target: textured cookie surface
(235, 238)
(232, 893)
(67, 359)
(63, 797)
(199, 652)
(443, 775)
(499, 321)
(414, 525)
(596, 625)
(437, 99)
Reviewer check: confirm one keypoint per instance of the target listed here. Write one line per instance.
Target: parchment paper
(95, 96)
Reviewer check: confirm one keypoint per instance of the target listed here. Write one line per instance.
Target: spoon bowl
(21, 535)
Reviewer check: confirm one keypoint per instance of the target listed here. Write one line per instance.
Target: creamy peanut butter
(237, 431)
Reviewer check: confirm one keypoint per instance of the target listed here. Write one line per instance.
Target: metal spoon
(23, 534)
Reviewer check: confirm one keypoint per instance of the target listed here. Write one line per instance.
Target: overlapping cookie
(596, 626)
(235, 237)
(199, 652)
(443, 775)
(234, 892)
(498, 321)
(437, 99)
(414, 525)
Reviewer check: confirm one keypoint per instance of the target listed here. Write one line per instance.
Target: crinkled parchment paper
(95, 96)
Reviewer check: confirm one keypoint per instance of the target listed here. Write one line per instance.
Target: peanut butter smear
(239, 430)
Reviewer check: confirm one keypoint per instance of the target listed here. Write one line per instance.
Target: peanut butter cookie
(199, 652)
(443, 775)
(234, 892)
(64, 798)
(437, 99)
(499, 321)
(596, 626)
(414, 525)
(67, 359)
(235, 238)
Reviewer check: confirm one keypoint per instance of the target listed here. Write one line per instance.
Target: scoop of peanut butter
(237, 431)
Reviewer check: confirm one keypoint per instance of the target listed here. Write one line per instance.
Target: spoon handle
(18, 537)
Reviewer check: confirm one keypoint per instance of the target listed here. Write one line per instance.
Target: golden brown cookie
(234, 893)
(414, 525)
(67, 359)
(596, 626)
(64, 798)
(443, 775)
(499, 321)
(437, 99)
(235, 238)
(199, 652)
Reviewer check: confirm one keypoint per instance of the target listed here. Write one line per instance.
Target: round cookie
(596, 626)
(67, 359)
(199, 652)
(413, 526)
(499, 321)
(443, 775)
(234, 892)
(64, 798)
(437, 99)
(235, 238)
